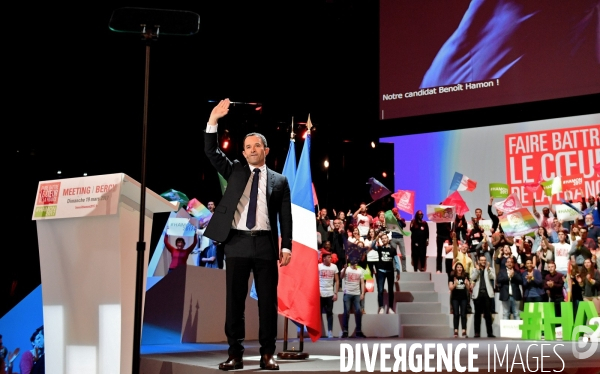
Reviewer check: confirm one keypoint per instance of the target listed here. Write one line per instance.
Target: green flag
(392, 223)
(498, 190)
(174, 195)
(223, 184)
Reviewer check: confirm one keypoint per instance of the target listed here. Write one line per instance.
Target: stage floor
(506, 354)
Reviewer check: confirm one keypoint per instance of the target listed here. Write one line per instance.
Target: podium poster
(78, 197)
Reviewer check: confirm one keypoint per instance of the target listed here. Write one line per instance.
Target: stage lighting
(384, 174)
(372, 144)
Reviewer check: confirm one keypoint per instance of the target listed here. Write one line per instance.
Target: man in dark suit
(509, 281)
(245, 220)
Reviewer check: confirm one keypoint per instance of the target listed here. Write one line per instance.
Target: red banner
(553, 153)
(405, 201)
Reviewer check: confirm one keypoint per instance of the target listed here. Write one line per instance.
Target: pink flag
(532, 187)
(314, 192)
(405, 200)
(597, 168)
(511, 203)
(456, 200)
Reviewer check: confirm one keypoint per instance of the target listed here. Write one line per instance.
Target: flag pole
(294, 354)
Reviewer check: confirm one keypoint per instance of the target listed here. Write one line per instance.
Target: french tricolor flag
(461, 182)
(298, 296)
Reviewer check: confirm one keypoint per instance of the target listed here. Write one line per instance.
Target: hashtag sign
(531, 327)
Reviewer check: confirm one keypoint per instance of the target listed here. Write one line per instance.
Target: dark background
(73, 102)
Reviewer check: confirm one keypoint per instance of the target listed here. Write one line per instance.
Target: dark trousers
(440, 255)
(381, 278)
(482, 306)
(449, 266)
(247, 254)
(419, 256)
(220, 255)
(349, 301)
(327, 304)
(460, 311)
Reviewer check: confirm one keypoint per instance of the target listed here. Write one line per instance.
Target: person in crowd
(397, 239)
(525, 253)
(387, 265)
(545, 221)
(576, 294)
(499, 240)
(593, 230)
(329, 284)
(481, 278)
(495, 218)
(578, 249)
(33, 360)
(419, 241)
(460, 227)
(338, 239)
(3, 350)
(557, 226)
(372, 255)
(342, 217)
(545, 253)
(460, 254)
(561, 253)
(533, 283)
(379, 223)
(356, 237)
(589, 281)
(442, 236)
(554, 285)
(478, 214)
(458, 283)
(323, 224)
(363, 219)
(486, 248)
(540, 233)
(208, 256)
(354, 292)
(179, 255)
(509, 281)
(474, 238)
(504, 256)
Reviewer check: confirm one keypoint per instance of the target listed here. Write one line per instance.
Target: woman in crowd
(533, 283)
(539, 235)
(419, 241)
(574, 286)
(589, 281)
(545, 253)
(372, 255)
(355, 237)
(179, 255)
(379, 223)
(386, 267)
(33, 361)
(460, 227)
(458, 283)
(525, 253)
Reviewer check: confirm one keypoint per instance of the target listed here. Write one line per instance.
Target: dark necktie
(251, 219)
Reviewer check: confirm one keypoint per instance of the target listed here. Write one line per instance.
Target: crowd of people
(558, 262)
(32, 361)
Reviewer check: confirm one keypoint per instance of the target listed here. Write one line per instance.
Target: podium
(87, 234)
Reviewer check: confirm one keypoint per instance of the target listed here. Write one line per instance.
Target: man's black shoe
(232, 363)
(267, 362)
(345, 334)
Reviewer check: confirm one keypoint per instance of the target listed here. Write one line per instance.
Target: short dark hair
(259, 135)
(550, 262)
(180, 240)
(482, 255)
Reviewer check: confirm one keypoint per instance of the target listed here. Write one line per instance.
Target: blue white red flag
(461, 182)
(298, 296)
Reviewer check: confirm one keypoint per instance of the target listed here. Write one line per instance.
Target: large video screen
(515, 154)
(442, 56)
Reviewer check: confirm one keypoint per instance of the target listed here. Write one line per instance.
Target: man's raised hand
(219, 111)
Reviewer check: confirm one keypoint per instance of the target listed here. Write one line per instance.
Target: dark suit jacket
(237, 175)
(504, 282)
